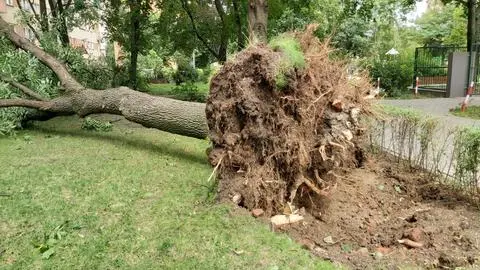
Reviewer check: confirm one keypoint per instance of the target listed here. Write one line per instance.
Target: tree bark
(257, 20)
(238, 24)
(477, 23)
(134, 41)
(62, 29)
(43, 16)
(174, 116)
(222, 50)
(471, 5)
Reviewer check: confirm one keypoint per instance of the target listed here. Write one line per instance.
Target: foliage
(292, 57)
(188, 92)
(467, 154)
(119, 194)
(96, 125)
(443, 25)
(165, 89)
(22, 67)
(153, 63)
(184, 71)
(395, 73)
(450, 155)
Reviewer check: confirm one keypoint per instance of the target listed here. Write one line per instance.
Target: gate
(431, 67)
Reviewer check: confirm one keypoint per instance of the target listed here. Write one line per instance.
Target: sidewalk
(438, 107)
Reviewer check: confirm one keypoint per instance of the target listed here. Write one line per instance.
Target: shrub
(185, 73)
(395, 72)
(188, 92)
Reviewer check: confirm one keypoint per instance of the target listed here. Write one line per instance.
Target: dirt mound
(375, 206)
(278, 148)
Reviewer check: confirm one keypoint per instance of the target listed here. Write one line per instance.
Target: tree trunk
(222, 50)
(134, 42)
(238, 24)
(43, 16)
(471, 23)
(477, 23)
(257, 20)
(62, 28)
(174, 116)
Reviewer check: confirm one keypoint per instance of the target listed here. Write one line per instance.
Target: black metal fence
(431, 67)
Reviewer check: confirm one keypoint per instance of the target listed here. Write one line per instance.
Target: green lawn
(163, 89)
(133, 198)
(471, 112)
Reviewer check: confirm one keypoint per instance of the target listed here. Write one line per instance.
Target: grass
(410, 95)
(132, 198)
(164, 89)
(471, 112)
(293, 57)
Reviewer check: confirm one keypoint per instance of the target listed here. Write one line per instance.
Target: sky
(420, 8)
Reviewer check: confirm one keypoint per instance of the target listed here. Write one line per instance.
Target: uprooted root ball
(279, 146)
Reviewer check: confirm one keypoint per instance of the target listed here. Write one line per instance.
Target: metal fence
(431, 67)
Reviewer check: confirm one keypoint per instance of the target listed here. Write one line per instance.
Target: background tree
(443, 25)
(471, 9)
(133, 33)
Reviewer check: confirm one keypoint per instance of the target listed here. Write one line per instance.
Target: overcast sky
(420, 8)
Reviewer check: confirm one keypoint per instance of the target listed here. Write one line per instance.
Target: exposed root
(277, 141)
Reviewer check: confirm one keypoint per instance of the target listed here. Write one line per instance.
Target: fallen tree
(179, 117)
(283, 119)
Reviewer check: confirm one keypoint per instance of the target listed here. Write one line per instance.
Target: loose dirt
(373, 207)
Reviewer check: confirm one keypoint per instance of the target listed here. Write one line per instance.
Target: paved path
(438, 107)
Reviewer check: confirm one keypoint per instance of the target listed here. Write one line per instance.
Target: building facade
(89, 40)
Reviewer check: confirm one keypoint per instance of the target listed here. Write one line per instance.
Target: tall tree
(257, 20)
(131, 33)
(471, 8)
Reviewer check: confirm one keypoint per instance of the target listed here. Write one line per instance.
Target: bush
(188, 92)
(395, 73)
(185, 73)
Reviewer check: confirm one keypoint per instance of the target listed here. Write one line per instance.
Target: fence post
(416, 86)
(467, 97)
(415, 66)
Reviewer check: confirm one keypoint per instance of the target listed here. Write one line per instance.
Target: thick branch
(67, 80)
(194, 26)
(27, 91)
(34, 104)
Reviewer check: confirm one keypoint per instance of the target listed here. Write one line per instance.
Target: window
(9, 2)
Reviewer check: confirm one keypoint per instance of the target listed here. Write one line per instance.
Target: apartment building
(88, 39)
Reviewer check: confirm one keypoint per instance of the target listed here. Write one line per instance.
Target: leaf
(47, 254)
(398, 189)
(381, 187)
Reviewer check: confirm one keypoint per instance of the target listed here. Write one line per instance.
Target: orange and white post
(417, 82)
(467, 97)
